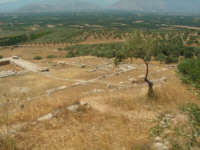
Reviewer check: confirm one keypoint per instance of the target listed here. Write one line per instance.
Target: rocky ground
(87, 103)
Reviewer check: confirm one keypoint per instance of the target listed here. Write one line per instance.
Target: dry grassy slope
(119, 115)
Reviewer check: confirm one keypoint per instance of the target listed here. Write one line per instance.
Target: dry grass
(7, 143)
(117, 119)
(10, 67)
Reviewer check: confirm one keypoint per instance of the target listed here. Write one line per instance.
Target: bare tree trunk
(150, 84)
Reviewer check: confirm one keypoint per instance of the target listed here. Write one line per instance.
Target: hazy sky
(95, 1)
(4, 1)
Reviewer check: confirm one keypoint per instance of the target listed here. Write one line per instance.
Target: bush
(51, 56)
(190, 68)
(197, 52)
(188, 54)
(171, 59)
(1, 56)
(70, 54)
(37, 58)
(60, 49)
(160, 57)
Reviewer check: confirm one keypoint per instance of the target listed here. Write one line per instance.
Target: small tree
(142, 46)
(119, 56)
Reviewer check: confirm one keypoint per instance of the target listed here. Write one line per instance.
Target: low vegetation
(51, 56)
(37, 57)
(190, 69)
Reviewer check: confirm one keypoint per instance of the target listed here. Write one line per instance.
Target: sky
(141, 5)
(5, 1)
(94, 1)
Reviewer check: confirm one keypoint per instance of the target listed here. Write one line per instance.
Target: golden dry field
(86, 103)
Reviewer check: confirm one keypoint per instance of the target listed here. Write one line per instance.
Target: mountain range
(46, 5)
(185, 6)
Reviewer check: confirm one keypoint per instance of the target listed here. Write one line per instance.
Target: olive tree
(142, 46)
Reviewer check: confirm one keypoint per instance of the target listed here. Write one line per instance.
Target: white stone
(15, 57)
(7, 73)
(45, 117)
(160, 146)
(44, 69)
(76, 84)
(164, 69)
(92, 70)
(98, 90)
(83, 66)
(50, 91)
(158, 139)
(73, 108)
(62, 87)
(61, 63)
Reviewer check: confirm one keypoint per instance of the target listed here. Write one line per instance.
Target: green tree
(142, 46)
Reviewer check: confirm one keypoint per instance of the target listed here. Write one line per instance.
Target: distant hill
(181, 6)
(47, 5)
(185, 6)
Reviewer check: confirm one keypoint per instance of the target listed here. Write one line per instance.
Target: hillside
(50, 7)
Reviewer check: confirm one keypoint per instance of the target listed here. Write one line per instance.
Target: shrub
(70, 54)
(51, 56)
(188, 54)
(193, 111)
(37, 58)
(171, 59)
(190, 42)
(1, 56)
(190, 68)
(160, 57)
(197, 51)
(60, 49)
